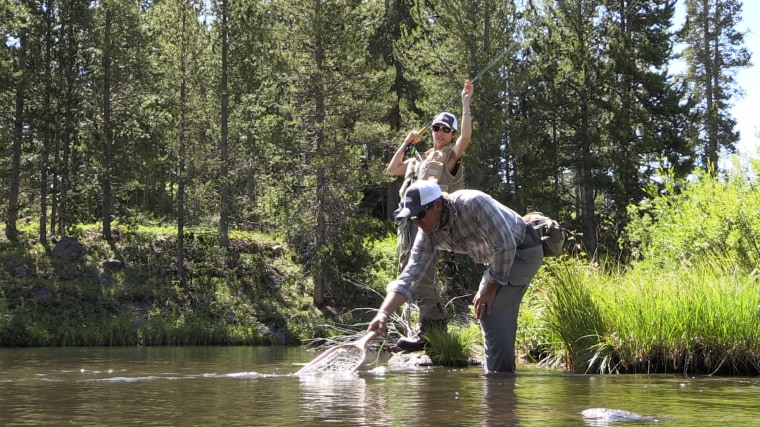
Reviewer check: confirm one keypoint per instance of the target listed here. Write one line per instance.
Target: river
(255, 386)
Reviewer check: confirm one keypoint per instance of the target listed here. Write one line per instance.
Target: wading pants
(500, 327)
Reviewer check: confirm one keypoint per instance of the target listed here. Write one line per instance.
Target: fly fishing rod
(477, 76)
(410, 149)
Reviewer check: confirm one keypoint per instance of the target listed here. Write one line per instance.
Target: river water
(255, 386)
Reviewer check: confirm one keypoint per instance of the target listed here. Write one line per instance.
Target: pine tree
(331, 106)
(176, 101)
(21, 85)
(118, 85)
(647, 120)
(600, 114)
(715, 51)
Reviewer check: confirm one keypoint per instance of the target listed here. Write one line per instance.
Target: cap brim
(406, 213)
(444, 124)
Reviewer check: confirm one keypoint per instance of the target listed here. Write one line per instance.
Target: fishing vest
(434, 167)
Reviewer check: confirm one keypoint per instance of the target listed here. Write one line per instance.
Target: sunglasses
(444, 129)
(423, 212)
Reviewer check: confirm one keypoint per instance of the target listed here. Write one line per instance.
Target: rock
(42, 294)
(607, 414)
(379, 370)
(25, 270)
(274, 337)
(68, 249)
(113, 264)
(404, 359)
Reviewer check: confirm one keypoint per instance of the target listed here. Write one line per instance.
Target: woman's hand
(467, 90)
(414, 137)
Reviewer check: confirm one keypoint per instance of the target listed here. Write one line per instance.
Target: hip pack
(553, 236)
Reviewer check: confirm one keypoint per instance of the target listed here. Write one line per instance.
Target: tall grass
(455, 346)
(701, 319)
(688, 300)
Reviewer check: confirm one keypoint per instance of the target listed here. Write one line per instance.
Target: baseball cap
(417, 196)
(447, 119)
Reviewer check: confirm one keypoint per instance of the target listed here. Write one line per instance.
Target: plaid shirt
(478, 226)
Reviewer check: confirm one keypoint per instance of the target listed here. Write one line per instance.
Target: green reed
(455, 346)
(698, 319)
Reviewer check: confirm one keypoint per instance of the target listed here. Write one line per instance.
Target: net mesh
(341, 359)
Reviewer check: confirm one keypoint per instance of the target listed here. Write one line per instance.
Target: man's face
(428, 219)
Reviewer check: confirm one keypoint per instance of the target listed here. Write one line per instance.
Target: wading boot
(417, 341)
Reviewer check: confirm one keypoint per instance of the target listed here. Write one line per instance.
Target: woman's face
(442, 134)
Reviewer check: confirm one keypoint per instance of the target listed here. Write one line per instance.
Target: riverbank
(84, 291)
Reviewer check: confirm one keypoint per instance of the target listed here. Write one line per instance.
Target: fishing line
(488, 66)
(474, 79)
(410, 149)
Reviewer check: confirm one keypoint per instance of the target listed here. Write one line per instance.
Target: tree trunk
(181, 168)
(11, 232)
(586, 189)
(48, 136)
(711, 117)
(224, 238)
(107, 132)
(320, 282)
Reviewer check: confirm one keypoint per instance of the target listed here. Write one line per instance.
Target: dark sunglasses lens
(423, 212)
(443, 129)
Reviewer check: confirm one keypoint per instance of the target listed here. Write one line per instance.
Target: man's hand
(484, 298)
(379, 324)
(391, 303)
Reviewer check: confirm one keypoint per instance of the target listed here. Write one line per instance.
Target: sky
(746, 110)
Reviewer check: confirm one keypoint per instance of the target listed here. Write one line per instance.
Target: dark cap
(417, 196)
(447, 119)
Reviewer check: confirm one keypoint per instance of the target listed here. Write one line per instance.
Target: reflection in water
(341, 398)
(499, 401)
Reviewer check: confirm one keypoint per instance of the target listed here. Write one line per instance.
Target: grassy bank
(686, 302)
(701, 319)
(84, 291)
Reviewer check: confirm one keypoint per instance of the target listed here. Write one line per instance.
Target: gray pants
(428, 294)
(500, 327)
